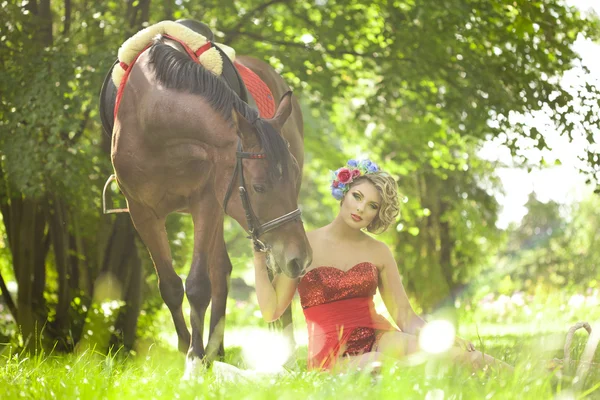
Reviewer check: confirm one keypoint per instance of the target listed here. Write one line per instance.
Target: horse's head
(270, 177)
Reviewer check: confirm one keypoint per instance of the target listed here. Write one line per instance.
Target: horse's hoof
(194, 369)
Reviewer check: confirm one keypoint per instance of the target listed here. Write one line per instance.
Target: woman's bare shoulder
(315, 233)
(376, 244)
(379, 252)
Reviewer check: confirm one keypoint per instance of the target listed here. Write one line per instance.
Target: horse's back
(163, 115)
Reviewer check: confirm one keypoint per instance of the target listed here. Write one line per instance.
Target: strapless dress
(340, 313)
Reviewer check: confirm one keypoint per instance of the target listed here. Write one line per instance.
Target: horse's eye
(259, 188)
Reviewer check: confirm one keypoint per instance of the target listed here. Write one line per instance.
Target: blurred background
(486, 113)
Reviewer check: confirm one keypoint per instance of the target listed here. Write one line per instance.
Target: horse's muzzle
(294, 268)
(296, 264)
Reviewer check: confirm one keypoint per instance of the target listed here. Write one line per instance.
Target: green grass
(155, 369)
(155, 373)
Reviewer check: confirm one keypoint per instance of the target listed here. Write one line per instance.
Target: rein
(255, 228)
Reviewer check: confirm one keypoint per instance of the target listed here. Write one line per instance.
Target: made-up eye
(259, 188)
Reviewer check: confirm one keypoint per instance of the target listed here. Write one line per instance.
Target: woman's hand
(260, 257)
(464, 344)
(273, 296)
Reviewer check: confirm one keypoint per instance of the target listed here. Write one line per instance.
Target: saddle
(194, 32)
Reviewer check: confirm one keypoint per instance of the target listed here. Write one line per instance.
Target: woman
(348, 267)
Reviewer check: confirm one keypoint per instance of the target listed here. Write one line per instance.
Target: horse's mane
(176, 70)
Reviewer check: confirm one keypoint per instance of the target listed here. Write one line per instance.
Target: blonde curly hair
(390, 205)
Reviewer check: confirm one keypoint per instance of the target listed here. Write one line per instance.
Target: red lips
(356, 217)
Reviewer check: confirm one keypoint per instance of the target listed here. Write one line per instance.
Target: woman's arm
(273, 297)
(394, 296)
(396, 301)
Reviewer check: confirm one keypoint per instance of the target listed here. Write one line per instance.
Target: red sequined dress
(340, 313)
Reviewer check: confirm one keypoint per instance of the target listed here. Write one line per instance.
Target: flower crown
(343, 177)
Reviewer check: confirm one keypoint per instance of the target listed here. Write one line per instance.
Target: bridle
(255, 229)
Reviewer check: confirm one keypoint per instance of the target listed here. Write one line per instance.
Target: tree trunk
(168, 9)
(23, 220)
(39, 272)
(32, 7)
(432, 244)
(126, 325)
(58, 221)
(25, 230)
(67, 22)
(123, 267)
(144, 11)
(131, 17)
(446, 246)
(8, 298)
(45, 27)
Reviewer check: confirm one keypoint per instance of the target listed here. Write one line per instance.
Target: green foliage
(50, 93)
(415, 86)
(449, 63)
(551, 251)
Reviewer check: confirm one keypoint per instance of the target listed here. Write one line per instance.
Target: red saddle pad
(259, 90)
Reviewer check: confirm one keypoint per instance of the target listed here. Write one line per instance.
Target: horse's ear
(283, 111)
(246, 131)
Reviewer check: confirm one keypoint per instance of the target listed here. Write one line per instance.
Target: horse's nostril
(294, 267)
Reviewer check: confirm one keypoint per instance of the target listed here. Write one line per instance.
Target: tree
(555, 246)
(50, 153)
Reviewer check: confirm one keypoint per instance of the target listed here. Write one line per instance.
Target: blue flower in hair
(337, 193)
(352, 163)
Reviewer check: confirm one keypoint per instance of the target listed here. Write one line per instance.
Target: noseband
(255, 229)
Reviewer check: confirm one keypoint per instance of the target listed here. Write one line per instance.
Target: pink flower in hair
(344, 175)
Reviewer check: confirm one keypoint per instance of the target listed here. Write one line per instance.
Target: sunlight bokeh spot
(265, 351)
(577, 300)
(435, 394)
(307, 38)
(565, 395)
(437, 336)
(108, 307)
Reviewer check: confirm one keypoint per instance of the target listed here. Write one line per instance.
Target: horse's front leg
(154, 235)
(206, 216)
(220, 272)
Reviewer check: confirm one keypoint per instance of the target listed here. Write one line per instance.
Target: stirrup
(112, 210)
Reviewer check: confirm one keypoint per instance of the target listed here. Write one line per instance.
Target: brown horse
(183, 141)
